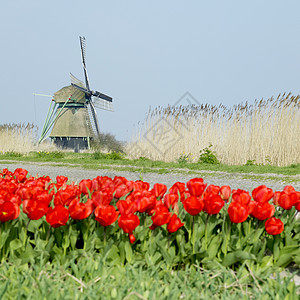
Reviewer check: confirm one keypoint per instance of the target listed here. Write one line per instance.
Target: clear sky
(146, 53)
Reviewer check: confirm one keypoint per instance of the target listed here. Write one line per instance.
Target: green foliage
(113, 155)
(184, 158)
(11, 154)
(90, 276)
(53, 155)
(250, 162)
(107, 142)
(142, 159)
(208, 156)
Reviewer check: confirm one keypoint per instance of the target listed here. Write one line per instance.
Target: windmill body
(72, 115)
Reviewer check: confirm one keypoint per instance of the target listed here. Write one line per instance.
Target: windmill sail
(103, 104)
(93, 120)
(75, 81)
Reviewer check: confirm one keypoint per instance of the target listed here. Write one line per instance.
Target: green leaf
(214, 246)
(237, 256)
(128, 251)
(3, 237)
(112, 253)
(15, 244)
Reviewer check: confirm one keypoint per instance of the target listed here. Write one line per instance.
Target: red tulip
(196, 186)
(241, 196)
(131, 238)
(20, 174)
(225, 192)
(121, 190)
(287, 200)
(102, 197)
(289, 189)
(174, 223)
(159, 190)
(213, 189)
(79, 210)
(106, 215)
(177, 187)
(8, 211)
(162, 216)
(57, 216)
(213, 204)
(66, 196)
(237, 212)
(263, 211)
(24, 192)
(146, 203)
(141, 185)
(274, 226)
(126, 208)
(61, 180)
(171, 200)
(193, 205)
(128, 222)
(276, 198)
(262, 194)
(85, 186)
(35, 209)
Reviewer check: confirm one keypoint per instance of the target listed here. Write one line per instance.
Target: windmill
(72, 114)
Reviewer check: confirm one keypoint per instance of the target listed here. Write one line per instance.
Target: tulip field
(115, 226)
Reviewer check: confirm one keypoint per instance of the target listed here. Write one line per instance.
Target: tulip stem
(48, 234)
(193, 235)
(205, 238)
(104, 235)
(294, 216)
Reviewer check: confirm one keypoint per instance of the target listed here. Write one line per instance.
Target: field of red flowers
(128, 221)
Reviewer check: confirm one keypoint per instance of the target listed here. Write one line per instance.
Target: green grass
(119, 162)
(88, 277)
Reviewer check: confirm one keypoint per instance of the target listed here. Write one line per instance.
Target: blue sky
(147, 53)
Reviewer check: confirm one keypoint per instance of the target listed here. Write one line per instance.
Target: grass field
(90, 277)
(120, 162)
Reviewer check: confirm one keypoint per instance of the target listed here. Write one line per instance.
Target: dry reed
(21, 138)
(266, 132)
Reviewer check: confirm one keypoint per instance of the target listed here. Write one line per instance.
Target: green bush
(183, 158)
(107, 142)
(113, 155)
(11, 154)
(49, 155)
(208, 156)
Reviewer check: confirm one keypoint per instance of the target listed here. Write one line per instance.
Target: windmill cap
(64, 93)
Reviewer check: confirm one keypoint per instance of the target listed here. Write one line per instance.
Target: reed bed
(21, 138)
(266, 132)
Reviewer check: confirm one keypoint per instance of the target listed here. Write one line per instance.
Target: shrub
(107, 142)
(207, 156)
(49, 155)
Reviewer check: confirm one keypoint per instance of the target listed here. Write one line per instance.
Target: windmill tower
(72, 114)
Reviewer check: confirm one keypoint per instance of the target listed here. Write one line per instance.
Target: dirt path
(234, 180)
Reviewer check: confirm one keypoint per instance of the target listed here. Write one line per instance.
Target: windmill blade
(94, 117)
(102, 104)
(81, 88)
(76, 81)
(102, 96)
(83, 47)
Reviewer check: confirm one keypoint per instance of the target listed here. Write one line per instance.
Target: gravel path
(234, 180)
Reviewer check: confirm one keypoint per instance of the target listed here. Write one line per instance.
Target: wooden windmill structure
(72, 115)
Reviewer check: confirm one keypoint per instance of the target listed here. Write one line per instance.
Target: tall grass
(20, 138)
(266, 132)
